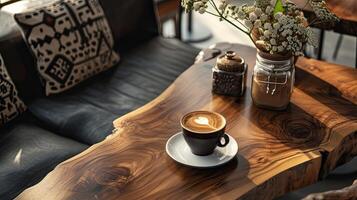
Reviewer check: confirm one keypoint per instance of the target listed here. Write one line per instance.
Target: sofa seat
(28, 153)
(86, 112)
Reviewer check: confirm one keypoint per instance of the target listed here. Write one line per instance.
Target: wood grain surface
(346, 10)
(278, 151)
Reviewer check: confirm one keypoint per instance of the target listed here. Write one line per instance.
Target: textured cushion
(71, 40)
(27, 154)
(11, 105)
(87, 112)
(127, 31)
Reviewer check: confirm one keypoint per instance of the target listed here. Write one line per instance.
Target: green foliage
(279, 7)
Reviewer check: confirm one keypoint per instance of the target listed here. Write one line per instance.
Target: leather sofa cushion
(27, 154)
(86, 112)
(132, 22)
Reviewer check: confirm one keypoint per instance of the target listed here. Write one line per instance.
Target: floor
(221, 32)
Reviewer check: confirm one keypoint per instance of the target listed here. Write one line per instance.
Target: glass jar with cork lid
(229, 75)
(273, 81)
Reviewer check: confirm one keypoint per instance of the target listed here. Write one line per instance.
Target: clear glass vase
(273, 81)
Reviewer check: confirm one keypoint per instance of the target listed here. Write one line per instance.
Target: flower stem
(240, 23)
(221, 16)
(211, 13)
(307, 2)
(230, 22)
(313, 22)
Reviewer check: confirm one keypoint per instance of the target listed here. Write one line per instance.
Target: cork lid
(230, 62)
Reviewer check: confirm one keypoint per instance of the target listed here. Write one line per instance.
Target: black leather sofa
(57, 127)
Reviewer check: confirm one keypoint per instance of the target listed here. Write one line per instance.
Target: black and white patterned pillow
(71, 40)
(11, 105)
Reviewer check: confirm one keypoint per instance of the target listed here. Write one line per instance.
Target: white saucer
(177, 149)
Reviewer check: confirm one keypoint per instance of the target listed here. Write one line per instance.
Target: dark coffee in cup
(204, 131)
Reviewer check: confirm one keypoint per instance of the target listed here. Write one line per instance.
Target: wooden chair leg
(161, 27)
(356, 55)
(338, 46)
(305, 52)
(178, 24)
(321, 44)
(189, 22)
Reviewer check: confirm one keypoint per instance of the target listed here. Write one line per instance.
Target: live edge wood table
(278, 151)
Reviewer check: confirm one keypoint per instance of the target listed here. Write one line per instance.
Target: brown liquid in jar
(271, 95)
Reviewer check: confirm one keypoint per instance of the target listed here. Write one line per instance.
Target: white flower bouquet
(275, 26)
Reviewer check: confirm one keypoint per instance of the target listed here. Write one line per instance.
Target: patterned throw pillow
(71, 40)
(11, 105)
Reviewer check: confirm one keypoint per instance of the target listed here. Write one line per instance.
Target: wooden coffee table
(278, 151)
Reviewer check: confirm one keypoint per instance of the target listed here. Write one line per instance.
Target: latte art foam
(203, 122)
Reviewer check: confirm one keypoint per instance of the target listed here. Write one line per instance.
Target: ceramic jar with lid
(229, 75)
